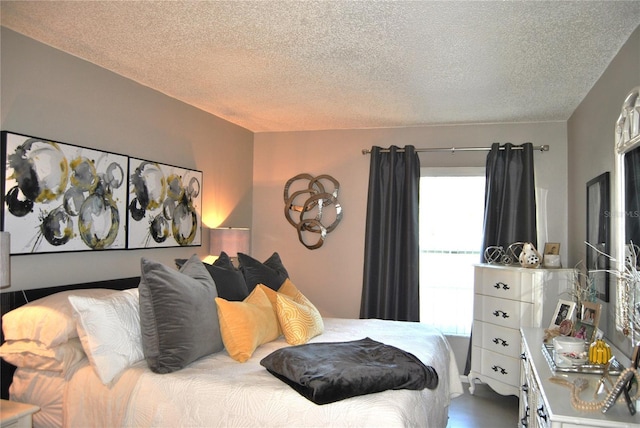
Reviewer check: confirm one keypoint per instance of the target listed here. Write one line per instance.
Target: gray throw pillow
(178, 314)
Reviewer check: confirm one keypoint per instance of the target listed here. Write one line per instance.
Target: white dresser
(544, 404)
(505, 299)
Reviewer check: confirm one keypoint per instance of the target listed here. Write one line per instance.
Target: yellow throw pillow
(287, 288)
(271, 295)
(246, 325)
(299, 319)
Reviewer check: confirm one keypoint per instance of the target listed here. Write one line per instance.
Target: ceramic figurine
(530, 257)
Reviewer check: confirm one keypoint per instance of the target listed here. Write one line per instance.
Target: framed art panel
(598, 234)
(60, 197)
(165, 208)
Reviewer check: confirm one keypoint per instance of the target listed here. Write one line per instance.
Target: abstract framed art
(60, 197)
(165, 204)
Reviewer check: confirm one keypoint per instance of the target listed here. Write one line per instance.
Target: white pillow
(48, 320)
(109, 329)
(36, 356)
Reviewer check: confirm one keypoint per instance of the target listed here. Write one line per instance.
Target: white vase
(529, 257)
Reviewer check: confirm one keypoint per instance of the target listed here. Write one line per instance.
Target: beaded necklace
(580, 384)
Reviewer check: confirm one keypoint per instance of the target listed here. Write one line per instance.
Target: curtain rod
(543, 148)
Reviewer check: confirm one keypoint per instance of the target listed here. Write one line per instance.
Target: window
(451, 223)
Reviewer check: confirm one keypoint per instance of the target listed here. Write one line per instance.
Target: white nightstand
(16, 415)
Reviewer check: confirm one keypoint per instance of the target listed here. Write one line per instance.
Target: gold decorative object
(599, 352)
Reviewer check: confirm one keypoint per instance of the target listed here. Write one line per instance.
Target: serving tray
(615, 368)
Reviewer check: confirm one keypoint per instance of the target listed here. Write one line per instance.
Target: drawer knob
(525, 388)
(500, 313)
(499, 369)
(499, 285)
(499, 341)
(523, 356)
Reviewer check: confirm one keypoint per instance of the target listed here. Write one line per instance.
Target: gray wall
(591, 142)
(49, 94)
(331, 276)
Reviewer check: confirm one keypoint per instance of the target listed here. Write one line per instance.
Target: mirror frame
(627, 138)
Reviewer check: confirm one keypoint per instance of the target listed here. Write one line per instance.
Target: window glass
(451, 223)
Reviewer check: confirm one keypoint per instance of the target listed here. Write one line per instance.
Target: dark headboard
(15, 299)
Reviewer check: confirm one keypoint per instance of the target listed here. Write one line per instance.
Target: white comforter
(218, 391)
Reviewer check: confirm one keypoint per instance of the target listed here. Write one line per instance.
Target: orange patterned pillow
(299, 318)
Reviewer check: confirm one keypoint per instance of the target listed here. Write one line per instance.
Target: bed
(101, 387)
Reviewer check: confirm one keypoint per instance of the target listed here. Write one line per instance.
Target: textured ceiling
(294, 65)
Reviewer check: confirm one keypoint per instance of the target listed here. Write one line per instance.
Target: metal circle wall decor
(306, 208)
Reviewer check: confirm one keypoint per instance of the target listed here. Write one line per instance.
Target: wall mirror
(626, 219)
(598, 234)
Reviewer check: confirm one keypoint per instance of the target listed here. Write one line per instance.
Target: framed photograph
(551, 255)
(552, 248)
(587, 326)
(591, 313)
(60, 197)
(564, 311)
(584, 331)
(598, 234)
(165, 205)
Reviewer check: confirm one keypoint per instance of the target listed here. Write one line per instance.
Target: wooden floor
(484, 409)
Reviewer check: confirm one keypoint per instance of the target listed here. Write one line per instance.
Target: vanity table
(546, 404)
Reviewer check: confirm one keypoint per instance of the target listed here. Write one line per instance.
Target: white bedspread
(218, 391)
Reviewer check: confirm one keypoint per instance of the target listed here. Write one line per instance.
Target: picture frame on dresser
(584, 331)
(587, 326)
(591, 313)
(552, 248)
(565, 309)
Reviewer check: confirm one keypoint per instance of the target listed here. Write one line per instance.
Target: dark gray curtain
(509, 202)
(510, 197)
(391, 255)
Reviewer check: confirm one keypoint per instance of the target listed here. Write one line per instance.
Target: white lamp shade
(230, 240)
(5, 260)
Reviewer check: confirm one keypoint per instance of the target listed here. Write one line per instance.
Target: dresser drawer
(497, 366)
(507, 284)
(498, 339)
(506, 313)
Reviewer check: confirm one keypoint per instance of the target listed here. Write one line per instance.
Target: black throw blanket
(329, 372)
